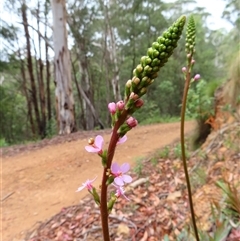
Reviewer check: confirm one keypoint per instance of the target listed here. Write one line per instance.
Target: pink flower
(122, 139)
(193, 61)
(120, 192)
(112, 108)
(87, 184)
(132, 122)
(118, 173)
(184, 69)
(120, 105)
(95, 145)
(197, 77)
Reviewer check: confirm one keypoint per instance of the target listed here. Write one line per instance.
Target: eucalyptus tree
(62, 68)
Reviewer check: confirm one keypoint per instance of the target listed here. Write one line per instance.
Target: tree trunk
(25, 91)
(40, 76)
(113, 57)
(85, 88)
(30, 68)
(62, 68)
(48, 75)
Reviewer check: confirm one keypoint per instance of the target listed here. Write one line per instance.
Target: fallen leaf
(174, 195)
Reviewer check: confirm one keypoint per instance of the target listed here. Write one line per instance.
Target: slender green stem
(184, 101)
(110, 154)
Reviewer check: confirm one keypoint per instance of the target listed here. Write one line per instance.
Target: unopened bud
(112, 107)
(197, 77)
(184, 69)
(129, 83)
(139, 103)
(120, 105)
(134, 96)
(132, 122)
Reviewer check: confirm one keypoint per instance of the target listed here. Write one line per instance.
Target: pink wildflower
(120, 192)
(122, 139)
(119, 173)
(95, 145)
(193, 61)
(120, 105)
(87, 184)
(132, 122)
(197, 77)
(112, 108)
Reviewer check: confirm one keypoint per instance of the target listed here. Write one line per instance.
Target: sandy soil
(37, 183)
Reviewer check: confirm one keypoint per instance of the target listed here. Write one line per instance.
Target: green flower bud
(155, 45)
(143, 91)
(128, 89)
(150, 52)
(163, 55)
(190, 36)
(145, 81)
(139, 68)
(135, 80)
(136, 73)
(157, 55)
(145, 60)
(155, 62)
(156, 68)
(147, 70)
(161, 40)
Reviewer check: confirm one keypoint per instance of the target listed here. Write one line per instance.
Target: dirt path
(43, 181)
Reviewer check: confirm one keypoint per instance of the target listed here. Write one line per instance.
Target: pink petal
(127, 178)
(92, 149)
(115, 168)
(118, 181)
(122, 140)
(125, 167)
(80, 188)
(99, 142)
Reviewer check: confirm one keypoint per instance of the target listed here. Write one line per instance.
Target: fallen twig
(7, 196)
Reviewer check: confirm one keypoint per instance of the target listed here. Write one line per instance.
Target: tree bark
(25, 91)
(48, 74)
(40, 76)
(62, 68)
(30, 68)
(113, 56)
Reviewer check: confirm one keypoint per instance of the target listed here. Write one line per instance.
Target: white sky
(215, 8)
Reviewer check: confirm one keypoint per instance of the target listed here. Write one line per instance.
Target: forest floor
(40, 179)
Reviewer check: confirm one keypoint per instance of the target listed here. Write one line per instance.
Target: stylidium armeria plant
(123, 121)
(190, 50)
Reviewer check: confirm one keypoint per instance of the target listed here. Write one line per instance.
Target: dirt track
(43, 181)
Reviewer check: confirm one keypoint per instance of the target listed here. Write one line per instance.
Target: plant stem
(184, 101)
(110, 154)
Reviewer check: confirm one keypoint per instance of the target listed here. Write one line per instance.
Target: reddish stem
(110, 154)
